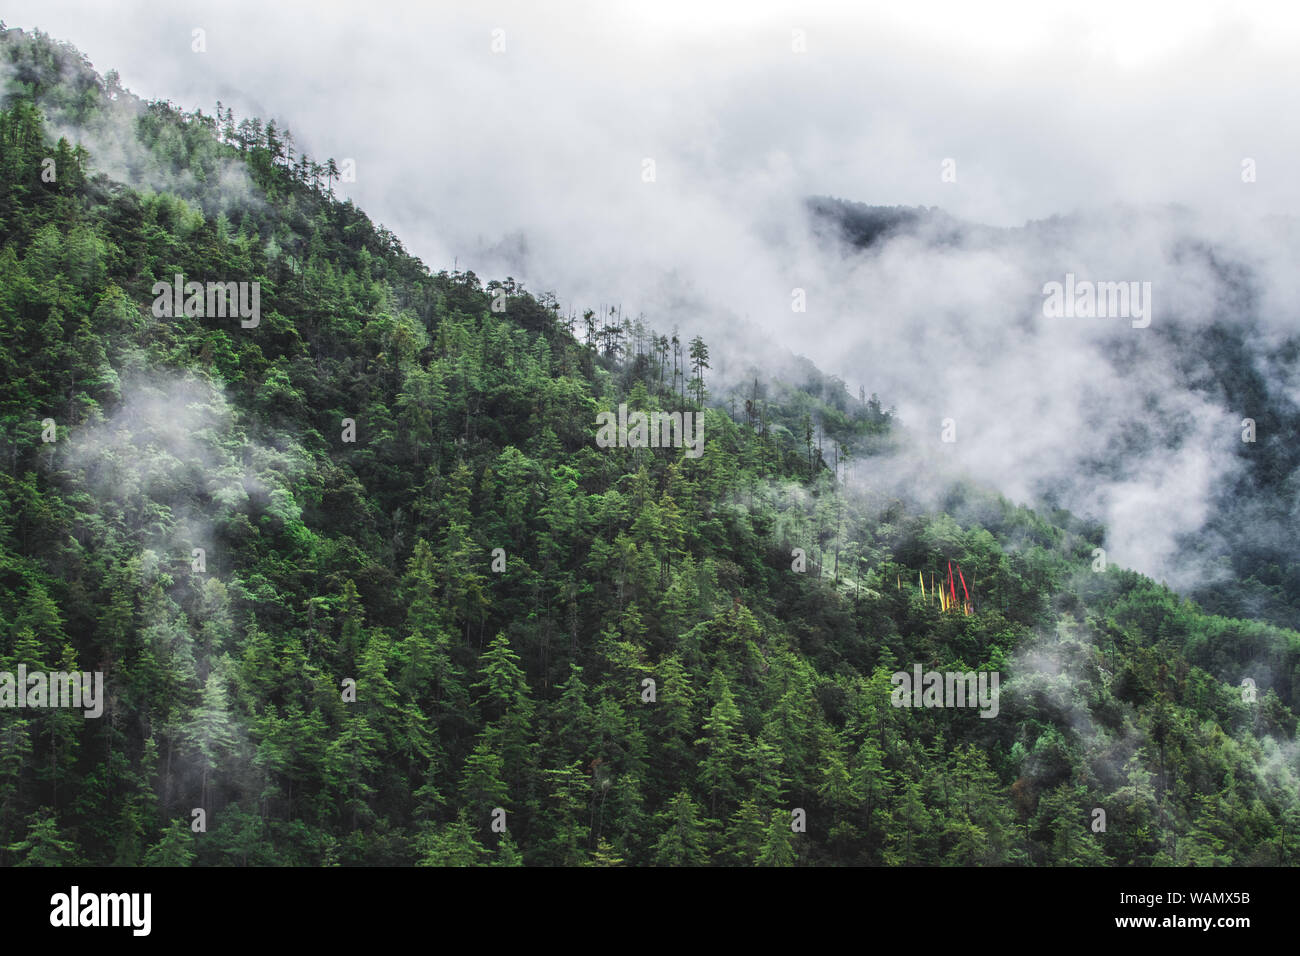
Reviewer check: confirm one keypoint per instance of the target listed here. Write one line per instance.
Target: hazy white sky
(1045, 107)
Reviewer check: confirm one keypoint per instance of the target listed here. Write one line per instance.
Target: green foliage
(524, 689)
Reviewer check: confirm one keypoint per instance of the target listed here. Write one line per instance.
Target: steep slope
(425, 593)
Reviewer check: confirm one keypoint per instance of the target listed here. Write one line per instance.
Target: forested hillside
(392, 479)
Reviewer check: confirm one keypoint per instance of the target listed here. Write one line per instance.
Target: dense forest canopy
(392, 483)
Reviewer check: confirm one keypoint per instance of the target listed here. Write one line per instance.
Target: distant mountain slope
(1232, 356)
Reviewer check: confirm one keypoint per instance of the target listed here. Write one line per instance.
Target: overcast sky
(529, 161)
(1045, 107)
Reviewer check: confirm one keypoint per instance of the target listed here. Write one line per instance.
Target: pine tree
(699, 355)
(681, 842)
(176, 848)
(43, 844)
